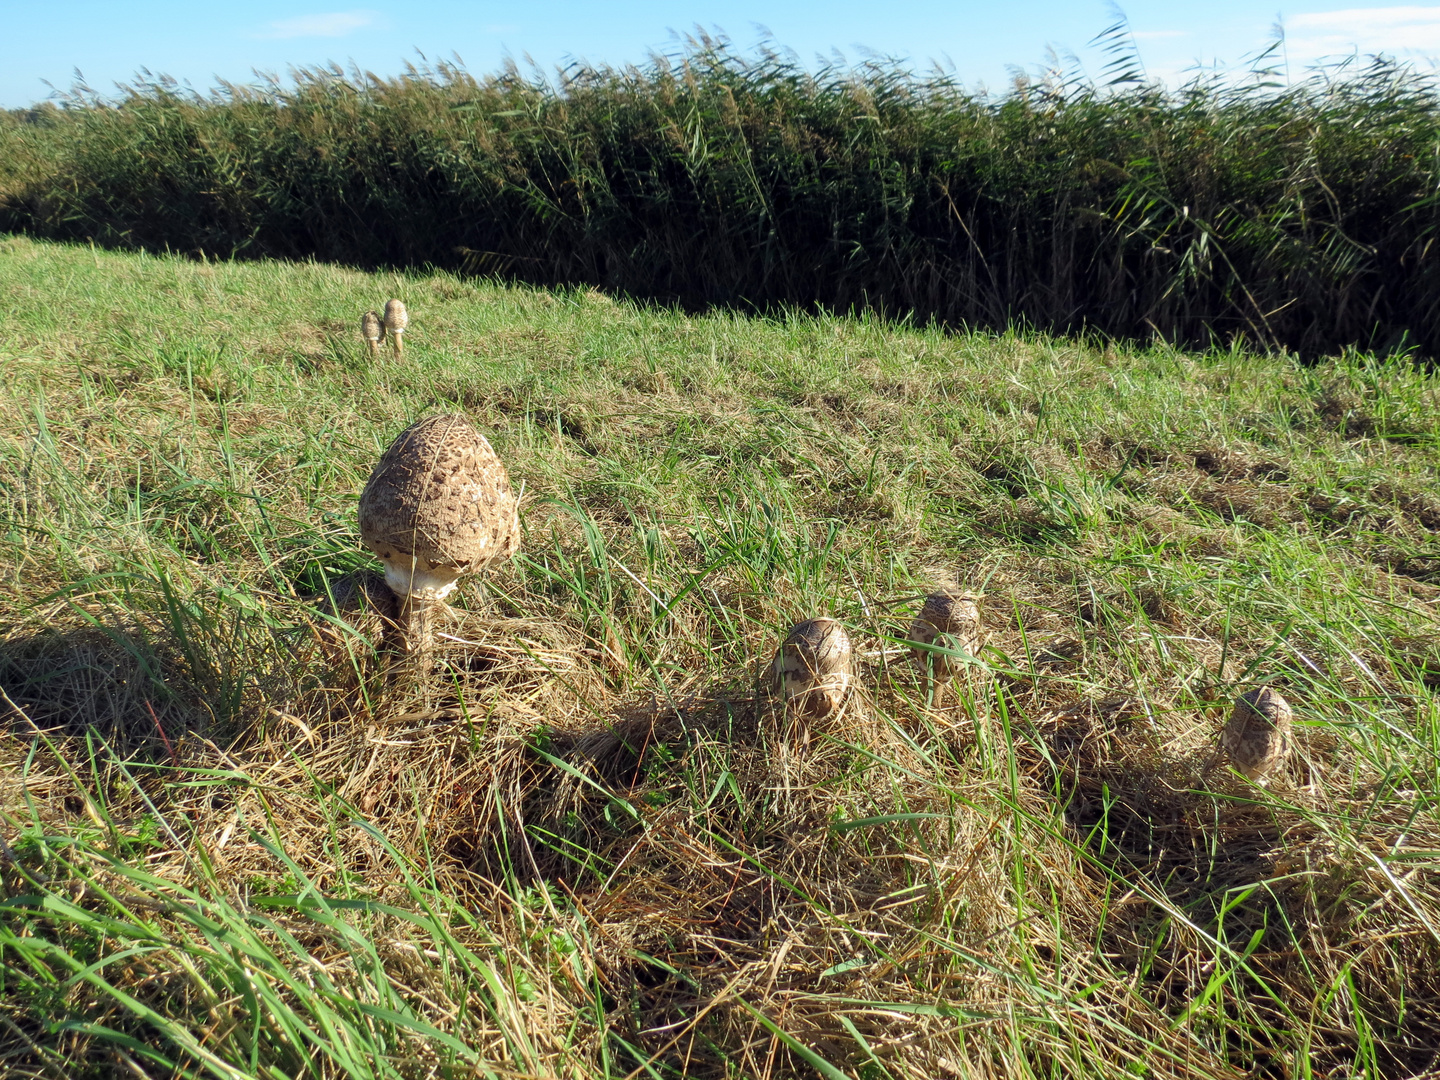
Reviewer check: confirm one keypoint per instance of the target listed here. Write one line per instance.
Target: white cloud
(331, 24)
(1397, 30)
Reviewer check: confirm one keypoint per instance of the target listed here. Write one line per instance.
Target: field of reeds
(230, 849)
(1294, 212)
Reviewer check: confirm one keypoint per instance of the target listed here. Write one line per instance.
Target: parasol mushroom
(437, 506)
(814, 667)
(948, 620)
(1257, 738)
(372, 329)
(396, 320)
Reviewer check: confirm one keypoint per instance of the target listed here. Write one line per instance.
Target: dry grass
(596, 846)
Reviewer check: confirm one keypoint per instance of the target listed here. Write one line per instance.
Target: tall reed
(1300, 215)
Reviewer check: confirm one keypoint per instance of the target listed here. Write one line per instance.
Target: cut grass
(602, 853)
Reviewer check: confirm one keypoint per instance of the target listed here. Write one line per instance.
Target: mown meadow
(1293, 209)
(598, 850)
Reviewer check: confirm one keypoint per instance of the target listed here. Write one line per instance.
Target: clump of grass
(1290, 214)
(578, 859)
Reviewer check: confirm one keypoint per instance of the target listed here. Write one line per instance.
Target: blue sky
(109, 40)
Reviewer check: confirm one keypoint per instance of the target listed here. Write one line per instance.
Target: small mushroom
(437, 506)
(372, 329)
(396, 320)
(814, 668)
(948, 620)
(1257, 738)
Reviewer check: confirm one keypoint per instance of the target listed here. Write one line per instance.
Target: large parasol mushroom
(437, 506)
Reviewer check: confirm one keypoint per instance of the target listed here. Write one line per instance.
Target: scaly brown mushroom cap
(1257, 738)
(437, 506)
(814, 667)
(396, 320)
(951, 620)
(372, 329)
(396, 317)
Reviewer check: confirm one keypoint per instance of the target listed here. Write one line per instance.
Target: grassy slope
(604, 849)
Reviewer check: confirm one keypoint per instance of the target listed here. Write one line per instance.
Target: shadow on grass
(1259, 880)
(117, 684)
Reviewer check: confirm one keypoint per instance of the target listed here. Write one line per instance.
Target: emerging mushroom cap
(951, 620)
(396, 317)
(371, 327)
(437, 506)
(814, 667)
(1257, 738)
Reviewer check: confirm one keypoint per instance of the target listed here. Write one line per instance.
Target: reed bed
(1297, 214)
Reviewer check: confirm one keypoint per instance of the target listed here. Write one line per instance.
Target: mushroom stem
(422, 592)
(417, 634)
(397, 339)
(935, 680)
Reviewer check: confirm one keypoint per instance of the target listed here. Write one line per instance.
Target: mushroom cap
(438, 503)
(396, 317)
(371, 327)
(1257, 738)
(814, 667)
(953, 616)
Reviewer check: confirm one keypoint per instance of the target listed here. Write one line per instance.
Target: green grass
(231, 850)
(1292, 209)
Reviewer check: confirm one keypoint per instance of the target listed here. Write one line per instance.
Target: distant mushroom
(437, 506)
(396, 320)
(1257, 738)
(814, 668)
(947, 620)
(373, 330)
